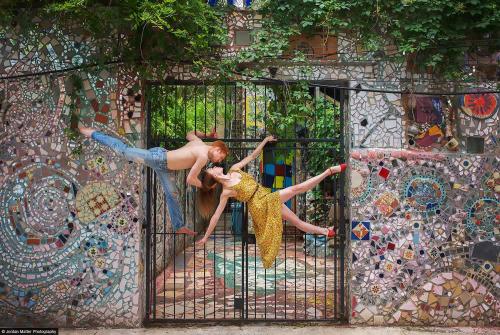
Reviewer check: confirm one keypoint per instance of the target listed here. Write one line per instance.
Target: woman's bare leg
(291, 191)
(290, 216)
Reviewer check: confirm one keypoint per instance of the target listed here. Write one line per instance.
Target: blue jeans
(155, 158)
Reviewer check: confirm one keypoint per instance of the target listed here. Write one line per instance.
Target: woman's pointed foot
(337, 168)
(185, 230)
(331, 232)
(87, 132)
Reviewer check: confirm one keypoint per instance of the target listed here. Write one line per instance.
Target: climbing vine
(138, 32)
(436, 34)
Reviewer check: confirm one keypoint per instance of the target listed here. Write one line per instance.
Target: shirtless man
(194, 156)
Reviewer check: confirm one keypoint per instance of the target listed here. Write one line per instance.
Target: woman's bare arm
(215, 218)
(254, 153)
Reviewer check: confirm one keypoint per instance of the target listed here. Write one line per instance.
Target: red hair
(221, 146)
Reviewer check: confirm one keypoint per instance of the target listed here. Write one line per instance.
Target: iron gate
(225, 279)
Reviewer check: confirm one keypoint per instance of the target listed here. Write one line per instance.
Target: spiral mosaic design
(483, 215)
(34, 98)
(69, 207)
(424, 194)
(41, 206)
(37, 223)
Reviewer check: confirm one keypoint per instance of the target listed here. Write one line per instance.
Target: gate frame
(342, 202)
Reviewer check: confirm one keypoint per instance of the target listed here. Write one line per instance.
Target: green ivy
(134, 31)
(436, 32)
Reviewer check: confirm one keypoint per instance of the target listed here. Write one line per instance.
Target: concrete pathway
(284, 330)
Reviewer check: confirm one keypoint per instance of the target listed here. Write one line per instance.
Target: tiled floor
(269, 329)
(205, 282)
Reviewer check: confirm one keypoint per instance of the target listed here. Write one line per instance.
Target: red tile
(280, 170)
(105, 108)
(384, 173)
(101, 118)
(95, 105)
(33, 241)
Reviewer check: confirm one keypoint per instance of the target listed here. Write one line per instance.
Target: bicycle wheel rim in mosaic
(479, 106)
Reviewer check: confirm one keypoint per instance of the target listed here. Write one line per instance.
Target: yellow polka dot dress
(265, 208)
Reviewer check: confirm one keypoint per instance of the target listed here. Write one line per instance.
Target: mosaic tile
(70, 223)
(360, 230)
(433, 123)
(433, 240)
(70, 216)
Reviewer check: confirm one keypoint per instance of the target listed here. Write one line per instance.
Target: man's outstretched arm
(192, 178)
(197, 136)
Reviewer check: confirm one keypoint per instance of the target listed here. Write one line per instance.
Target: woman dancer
(266, 208)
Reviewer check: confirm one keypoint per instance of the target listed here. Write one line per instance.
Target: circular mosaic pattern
(479, 106)
(40, 206)
(491, 182)
(48, 257)
(35, 101)
(424, 193)
(482, 217)
(53, 269)
(37, 228)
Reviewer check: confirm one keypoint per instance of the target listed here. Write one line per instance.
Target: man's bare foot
(185, 230)
(86, 131)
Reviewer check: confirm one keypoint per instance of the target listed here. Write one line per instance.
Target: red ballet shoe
(331, 233)
(342, 166)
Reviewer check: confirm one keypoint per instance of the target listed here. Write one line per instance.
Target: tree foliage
(437, 32)
(130, 30)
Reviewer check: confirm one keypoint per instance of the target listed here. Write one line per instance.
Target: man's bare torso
(186, 156)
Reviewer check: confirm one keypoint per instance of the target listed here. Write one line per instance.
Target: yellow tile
(279, 181)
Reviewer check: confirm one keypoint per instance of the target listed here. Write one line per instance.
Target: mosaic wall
(70, 220)
(467, 123)
(375, 119)
(424, 239)
(424, 233)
